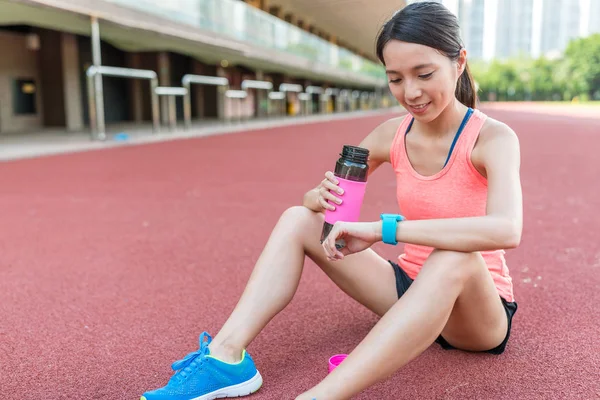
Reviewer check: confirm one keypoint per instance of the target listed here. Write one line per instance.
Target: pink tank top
(458, 190)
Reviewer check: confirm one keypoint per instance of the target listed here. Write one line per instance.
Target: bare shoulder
(379, 141)
(390, 127)
(494, 131)
(496, 140)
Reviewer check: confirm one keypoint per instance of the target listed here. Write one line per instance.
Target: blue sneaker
(199, 376)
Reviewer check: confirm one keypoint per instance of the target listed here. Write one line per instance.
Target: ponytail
(466, 92)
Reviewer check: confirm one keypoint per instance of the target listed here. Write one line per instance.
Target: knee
(300, 219)
(453, 266)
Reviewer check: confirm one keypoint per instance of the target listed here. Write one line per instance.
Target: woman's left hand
(358, 236)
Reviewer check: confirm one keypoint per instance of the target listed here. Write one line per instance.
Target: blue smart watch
(389, 227)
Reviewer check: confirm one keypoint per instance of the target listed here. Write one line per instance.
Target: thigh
(478, 320)
(366, 276)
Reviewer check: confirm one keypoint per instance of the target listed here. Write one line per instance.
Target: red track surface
(114, 261)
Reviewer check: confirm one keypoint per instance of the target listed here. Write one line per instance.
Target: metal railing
(281, 98)
(171, 93)
(96, 98)
(259, 85)
(190, 79)
(306, 102)
(240, 95)
(290, 87)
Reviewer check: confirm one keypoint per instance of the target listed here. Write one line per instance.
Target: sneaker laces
(184, 366)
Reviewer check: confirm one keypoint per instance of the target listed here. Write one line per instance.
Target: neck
(446, 123)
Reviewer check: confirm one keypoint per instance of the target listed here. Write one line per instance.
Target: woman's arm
(499, 154)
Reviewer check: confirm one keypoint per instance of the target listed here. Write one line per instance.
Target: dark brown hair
(433, 25)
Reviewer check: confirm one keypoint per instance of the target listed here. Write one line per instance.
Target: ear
(461, 62)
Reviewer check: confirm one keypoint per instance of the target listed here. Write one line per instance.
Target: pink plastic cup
(336, 360)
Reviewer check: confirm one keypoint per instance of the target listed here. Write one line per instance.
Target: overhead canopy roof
(131, 30)
(355, 22)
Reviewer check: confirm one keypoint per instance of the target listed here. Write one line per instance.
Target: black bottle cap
(355, 154)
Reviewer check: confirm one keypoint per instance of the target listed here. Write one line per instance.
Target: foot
(201, 376)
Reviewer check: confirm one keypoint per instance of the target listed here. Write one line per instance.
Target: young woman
(458, 186)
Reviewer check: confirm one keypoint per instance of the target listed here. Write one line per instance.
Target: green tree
(576, 74)
(543, 79)
(582, 64)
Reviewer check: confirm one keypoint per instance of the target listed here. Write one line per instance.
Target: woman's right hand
(328, 189)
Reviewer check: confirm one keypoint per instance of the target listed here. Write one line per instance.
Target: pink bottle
(352, 171)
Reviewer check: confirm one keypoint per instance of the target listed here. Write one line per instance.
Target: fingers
(329, 245)
(325, 197)
(327, 190)
(331, 182)
(331, 176)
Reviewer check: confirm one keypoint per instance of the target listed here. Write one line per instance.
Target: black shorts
(403, 282)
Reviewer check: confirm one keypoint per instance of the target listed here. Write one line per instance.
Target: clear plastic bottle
(352, 171)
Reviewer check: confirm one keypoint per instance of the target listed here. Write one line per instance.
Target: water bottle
(351, 169)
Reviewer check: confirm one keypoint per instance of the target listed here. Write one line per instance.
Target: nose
(412, 91)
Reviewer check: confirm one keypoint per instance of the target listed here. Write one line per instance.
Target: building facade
(44, 82)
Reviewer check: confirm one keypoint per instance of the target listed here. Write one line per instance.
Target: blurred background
(81, 66)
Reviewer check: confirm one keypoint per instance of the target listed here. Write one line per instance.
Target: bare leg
(366, 277)
(434, 300)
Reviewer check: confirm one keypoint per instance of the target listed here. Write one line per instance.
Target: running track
(112, 262)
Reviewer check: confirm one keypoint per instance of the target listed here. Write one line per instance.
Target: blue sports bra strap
(462, 126)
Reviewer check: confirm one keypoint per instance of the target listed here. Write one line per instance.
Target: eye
(426, 76)
(395, 80)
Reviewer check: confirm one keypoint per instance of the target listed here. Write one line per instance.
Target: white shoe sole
(239, 390)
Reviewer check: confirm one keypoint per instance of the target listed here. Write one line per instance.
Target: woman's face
(421, 78)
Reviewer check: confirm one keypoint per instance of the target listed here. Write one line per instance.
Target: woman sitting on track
(458, 180)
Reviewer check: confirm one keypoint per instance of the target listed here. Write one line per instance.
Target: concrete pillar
(198, 90)
(51, 78)
(378, 97)
(136, 106)
(71, 82)
(164, 79)
(308, 106)
(261, 96)
(221, 95)
(249, 105)
(294, 106)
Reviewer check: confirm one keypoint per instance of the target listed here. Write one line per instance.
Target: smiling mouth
(419, 106)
